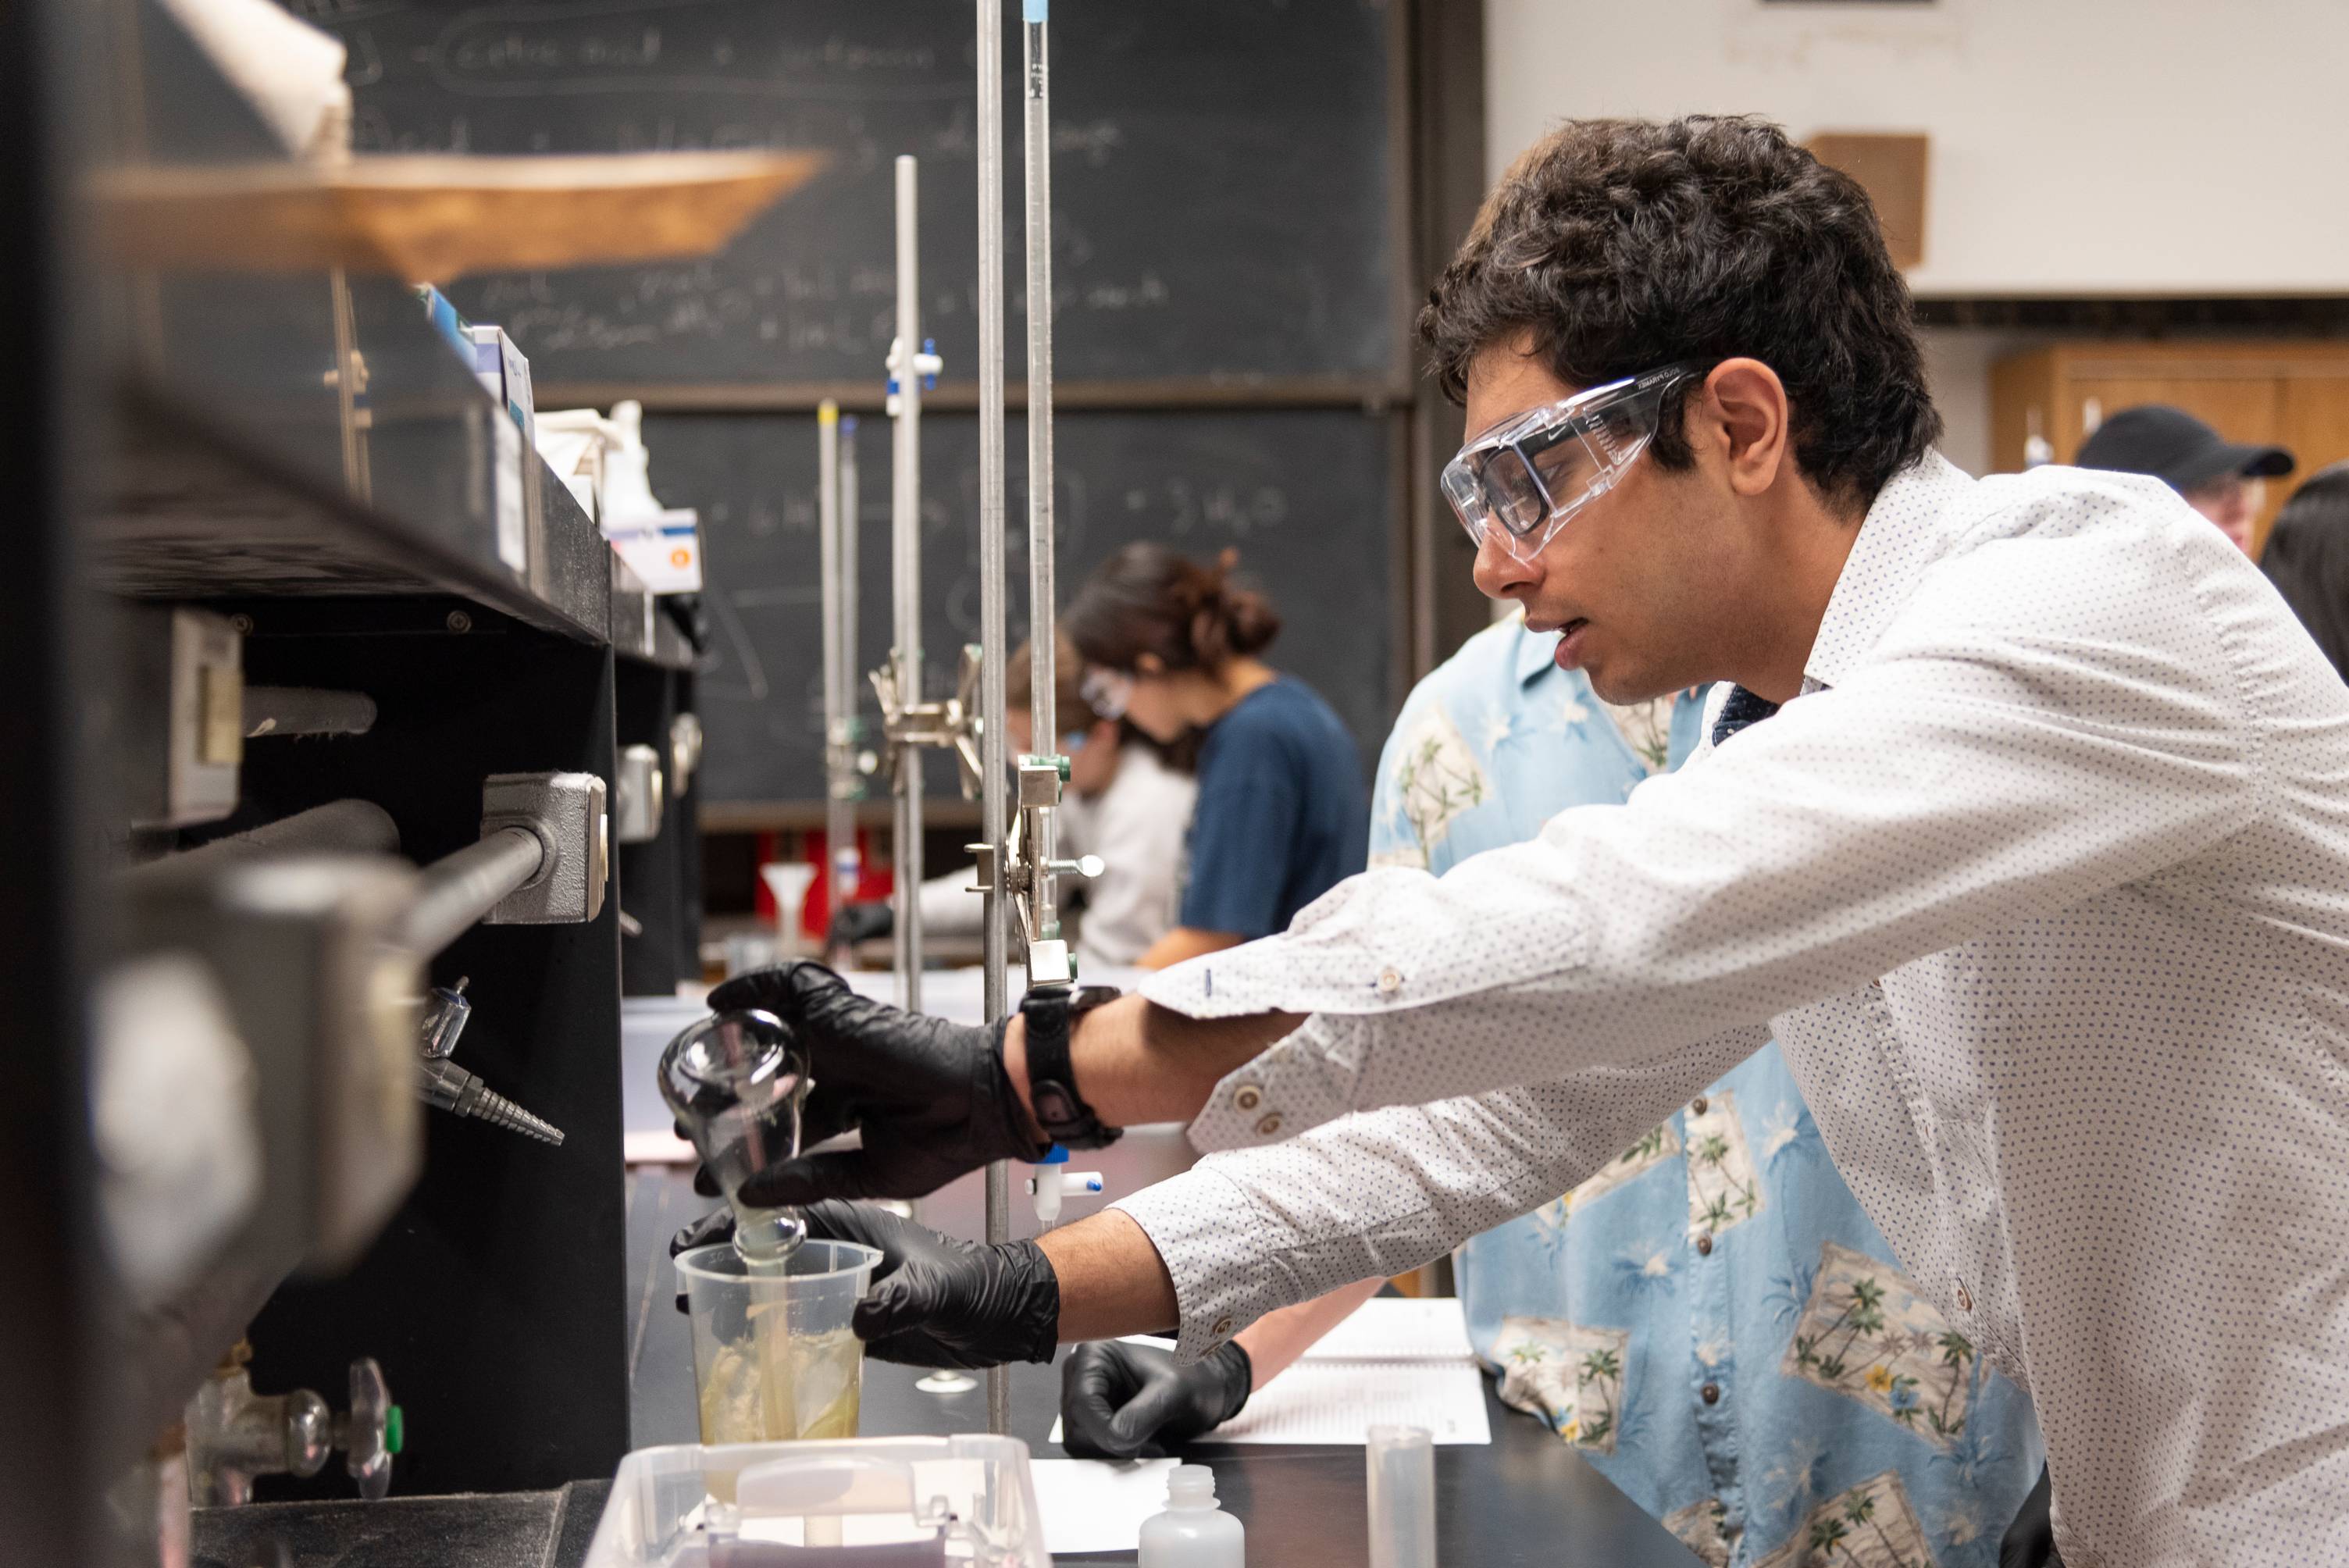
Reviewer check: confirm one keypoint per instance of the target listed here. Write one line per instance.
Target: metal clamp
(947, 724)
(1028, 876)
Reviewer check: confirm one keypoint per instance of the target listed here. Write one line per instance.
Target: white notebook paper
(1396, 1362)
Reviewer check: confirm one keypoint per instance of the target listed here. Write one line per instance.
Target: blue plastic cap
(1033, 10)
(1056, 1155)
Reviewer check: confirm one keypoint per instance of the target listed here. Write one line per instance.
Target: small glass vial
(1192, 1533)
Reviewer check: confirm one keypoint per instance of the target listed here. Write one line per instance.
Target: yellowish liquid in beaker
(816, 1395)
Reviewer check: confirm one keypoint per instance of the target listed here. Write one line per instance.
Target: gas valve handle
(370, 1433)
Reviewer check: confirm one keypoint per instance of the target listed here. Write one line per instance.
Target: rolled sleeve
(1252, 1229)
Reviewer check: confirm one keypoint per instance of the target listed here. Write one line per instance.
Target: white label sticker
(513, 533)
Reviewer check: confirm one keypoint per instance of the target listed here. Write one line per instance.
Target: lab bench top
(1526, 1498)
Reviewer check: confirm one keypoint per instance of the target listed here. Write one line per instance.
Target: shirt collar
(1536, 651)
(1911, 525)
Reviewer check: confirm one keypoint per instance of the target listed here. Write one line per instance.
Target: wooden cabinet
(2295, 395)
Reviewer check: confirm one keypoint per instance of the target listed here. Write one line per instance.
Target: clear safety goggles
(1106, 692)
(1531, 473)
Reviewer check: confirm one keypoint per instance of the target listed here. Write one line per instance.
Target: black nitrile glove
(716, 1226)
(1122, 1401)
(858, 923)
(2029, 1541)
(932, 1097)
(933, 1301)
(945, 1302)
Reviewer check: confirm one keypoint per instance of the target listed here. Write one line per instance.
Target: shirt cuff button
(1248, 1097)
(1965, 1297)
(1223, 1328)
(1390, 981)
(1268, 1126)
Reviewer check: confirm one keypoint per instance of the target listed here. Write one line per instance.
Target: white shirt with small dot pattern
(2042, 886)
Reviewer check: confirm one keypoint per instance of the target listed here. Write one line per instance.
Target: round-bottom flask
(736, 1082)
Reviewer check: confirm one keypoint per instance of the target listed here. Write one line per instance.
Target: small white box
(670, 1504)
(667, 556)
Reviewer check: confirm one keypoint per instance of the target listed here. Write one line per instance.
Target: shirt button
(1248, 1097)
(1965, 1297)
(1270, 1125)
(1709, 1393)
(1390, 981)
(1222, 1330)
(1704, 1246)
(1698, 1104)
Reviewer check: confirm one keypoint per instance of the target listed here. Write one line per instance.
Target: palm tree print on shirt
(1703, 1528)
(1724, 1188)
(1569, 1376)
(1659, 1144)
(1866, 1334)
(1870, 1526)
(1437, 777)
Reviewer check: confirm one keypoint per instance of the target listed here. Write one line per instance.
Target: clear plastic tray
(873, 1503)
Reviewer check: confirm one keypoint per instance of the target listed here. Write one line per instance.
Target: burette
(1016, 862)
(1040, 776)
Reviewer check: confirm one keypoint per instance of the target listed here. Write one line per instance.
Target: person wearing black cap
(2219, 477)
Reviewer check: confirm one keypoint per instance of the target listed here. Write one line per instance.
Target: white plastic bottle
(1192, 1533)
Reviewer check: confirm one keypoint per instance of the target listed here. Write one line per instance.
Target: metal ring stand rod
(905, 571)
(993, 632)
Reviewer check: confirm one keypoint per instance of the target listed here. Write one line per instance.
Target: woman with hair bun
(1282, 814)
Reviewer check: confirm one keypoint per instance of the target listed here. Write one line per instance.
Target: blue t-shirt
(1282, 817)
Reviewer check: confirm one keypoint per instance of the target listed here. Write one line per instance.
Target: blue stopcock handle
(1056, 1155)
(1033, 10)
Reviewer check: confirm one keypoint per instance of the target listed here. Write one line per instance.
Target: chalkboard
(1221, 179)
(1304, 494)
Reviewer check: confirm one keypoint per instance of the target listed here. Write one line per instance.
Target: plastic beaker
(773, 1354)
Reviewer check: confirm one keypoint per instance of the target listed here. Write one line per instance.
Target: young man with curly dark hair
(2023, 827)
